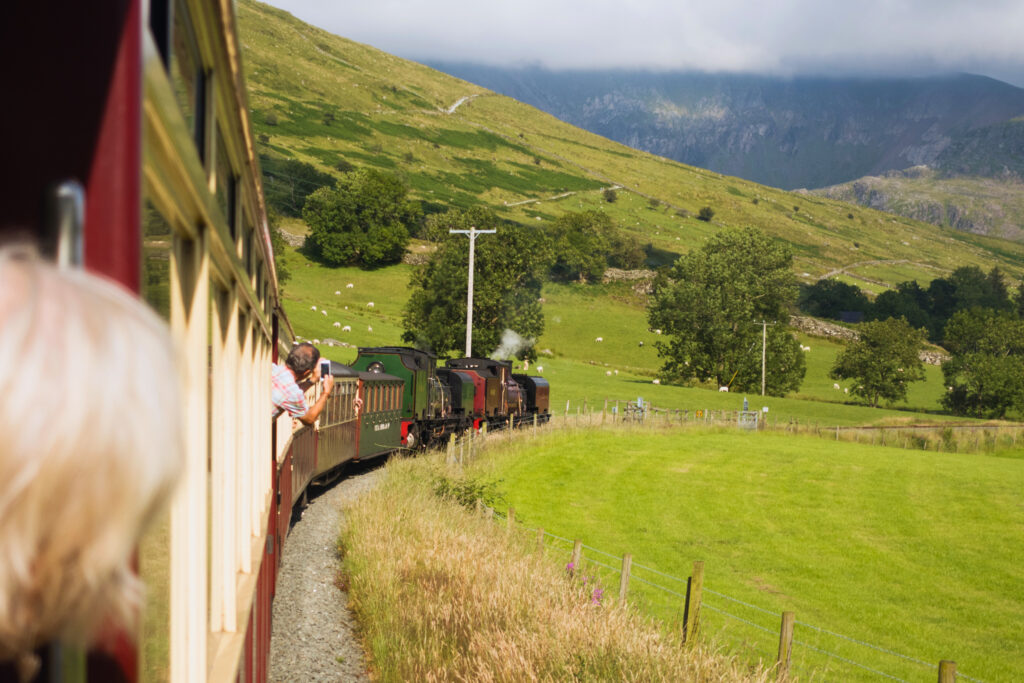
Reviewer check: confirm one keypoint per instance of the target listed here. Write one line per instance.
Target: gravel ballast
(313, 635)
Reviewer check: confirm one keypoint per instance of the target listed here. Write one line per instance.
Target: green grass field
(914, 552)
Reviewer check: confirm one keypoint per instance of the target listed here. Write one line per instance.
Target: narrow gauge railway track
(314, 633)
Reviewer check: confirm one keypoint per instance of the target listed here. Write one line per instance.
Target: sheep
(599, 339)
(655, 381)
(369, 304)
(657, 332)
(347, 328)
(316, 341)
(369, 328)
(540, 368)
(324, 312)
(616, 372)
(349, 286)
(337, 324)
(724, 389)
(846, 390)
(641, 344)
(312, 308)
(337, 292)
(835, 386)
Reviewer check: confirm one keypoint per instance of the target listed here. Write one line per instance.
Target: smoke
(511, 345)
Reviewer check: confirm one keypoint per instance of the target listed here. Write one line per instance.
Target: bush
(706, 214)
(609, 195)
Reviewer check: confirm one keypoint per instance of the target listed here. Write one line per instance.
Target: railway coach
(131, 154)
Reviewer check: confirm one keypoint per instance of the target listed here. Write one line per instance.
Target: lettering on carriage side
(381, 427)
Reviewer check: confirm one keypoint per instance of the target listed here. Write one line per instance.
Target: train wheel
(412, 439)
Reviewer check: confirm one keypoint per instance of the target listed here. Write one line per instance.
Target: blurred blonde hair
(90, 445)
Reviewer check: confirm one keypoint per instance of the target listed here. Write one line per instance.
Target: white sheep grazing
(540, 368)
(599, 339)
(324, 312)
(337, 292)
(616, 372)
(846, 390)
(337, 324)
(316, 341)
(312, 308)
(657, 332)
(807, 348)
(369, 328)
(369, 305)
(655, 381)
(349, 286)
(835, 386)
(347, 328)
(608, 373)
(725, 389)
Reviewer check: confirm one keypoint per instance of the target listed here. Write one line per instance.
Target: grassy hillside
(323, 99)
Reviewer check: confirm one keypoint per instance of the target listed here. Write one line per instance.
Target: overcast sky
(898, 37)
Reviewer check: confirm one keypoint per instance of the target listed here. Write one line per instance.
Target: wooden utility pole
(472, 232)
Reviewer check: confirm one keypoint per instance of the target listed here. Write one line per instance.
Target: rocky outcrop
(822, 328)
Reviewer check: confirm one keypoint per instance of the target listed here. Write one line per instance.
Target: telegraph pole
(472, 232)
(764, 353)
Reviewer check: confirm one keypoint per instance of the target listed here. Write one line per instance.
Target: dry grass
(443, 594)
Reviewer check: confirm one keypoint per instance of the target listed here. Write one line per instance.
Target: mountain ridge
(783, 132)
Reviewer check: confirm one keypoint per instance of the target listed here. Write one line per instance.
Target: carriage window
(156, 260)
(227, 186)
(187, 76)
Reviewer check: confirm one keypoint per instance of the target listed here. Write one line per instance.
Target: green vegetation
(907, 550)
(508, 275)
(883, 361)
(709, 304)
(986, 374)
(442, 593)
(391, 114)
(364, 220)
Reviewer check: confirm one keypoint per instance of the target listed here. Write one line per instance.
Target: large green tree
(587, 243)
(509, 271)
(883, 361)
(710, 304)
(985, 375)
(364, 220)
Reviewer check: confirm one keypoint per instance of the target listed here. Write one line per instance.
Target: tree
(509, 271)
(986, 371)
(829, 298)
(287, 183)
(706, 214)
(907, 301)
(364, 220)
(609, 195)
(709, 304)
(883, 361)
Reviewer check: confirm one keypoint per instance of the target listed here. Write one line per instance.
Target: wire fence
(745, 629)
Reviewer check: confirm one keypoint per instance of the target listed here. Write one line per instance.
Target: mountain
(332, 103)
(976, 184)
(783, 132)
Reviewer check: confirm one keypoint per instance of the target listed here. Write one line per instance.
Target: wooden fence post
(540, 539)
(567, 408)
(511, 519)
(785, 644)
(577, 549)
(947, 671)
(627, 562)
(451, 448)
(535, 424)
(691, 613)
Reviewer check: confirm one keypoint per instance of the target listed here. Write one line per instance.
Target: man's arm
(314, 410)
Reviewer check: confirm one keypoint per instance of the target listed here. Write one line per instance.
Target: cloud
(783, 36)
